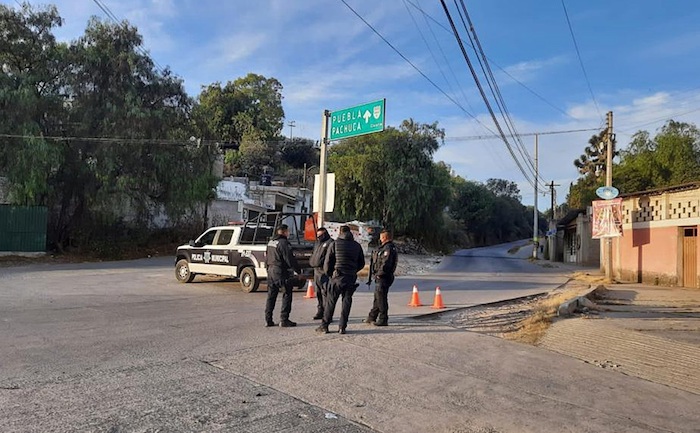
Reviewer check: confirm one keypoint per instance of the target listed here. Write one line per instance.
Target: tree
(247, 106)
(30, 100)
(100, 86)
(594, 158)
(491, 213)
(672, 157)
(390, 177)
(247, 112)
(472, 206)
(591, 166)
(503, 188)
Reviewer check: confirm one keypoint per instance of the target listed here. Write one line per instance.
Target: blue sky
(641, 59)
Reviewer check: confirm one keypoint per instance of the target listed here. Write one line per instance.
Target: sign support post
(323, 169)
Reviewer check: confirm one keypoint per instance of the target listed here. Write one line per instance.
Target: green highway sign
(359, 120)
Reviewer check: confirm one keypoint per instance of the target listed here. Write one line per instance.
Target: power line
(666, 118)
(113, 140)
(580, 60)
(496, 93)
(495, 155)
(526, 134)
(114, 18)
(432, 53)
(523, 85)
(483, 94)
(414, 66)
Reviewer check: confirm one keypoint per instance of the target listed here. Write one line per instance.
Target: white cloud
(679, 45)
(237, 47)
(531, 69)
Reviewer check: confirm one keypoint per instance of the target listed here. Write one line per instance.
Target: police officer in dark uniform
(384, 262)
(344, 260)
(318, 258)
(280, 261)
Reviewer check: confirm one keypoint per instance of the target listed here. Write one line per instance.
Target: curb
(578, 303)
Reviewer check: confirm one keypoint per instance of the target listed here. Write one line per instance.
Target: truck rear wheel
(249, 281)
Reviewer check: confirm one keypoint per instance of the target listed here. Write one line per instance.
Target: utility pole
(552, 193)
(608, 183)
(535, 223)
(322, 169)
(291, 125)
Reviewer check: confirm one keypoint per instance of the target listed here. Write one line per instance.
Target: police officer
(343, 260)
(318, 257)
(384, 262)
(280, 261)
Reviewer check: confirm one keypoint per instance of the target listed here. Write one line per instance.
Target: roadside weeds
(524, 320)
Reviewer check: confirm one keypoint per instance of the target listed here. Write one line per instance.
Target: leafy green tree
(582, 193)
(391, 177)
(677, 154)
(672, 157)
(31, 104)
(473, 205)
(491, 212)
(504, 188)
(125, 151)
(249, 106)
(299, 151)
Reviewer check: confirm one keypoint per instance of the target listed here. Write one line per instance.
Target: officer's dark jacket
(385, 260)
(280, 258)
(344, 257)
(318, 256)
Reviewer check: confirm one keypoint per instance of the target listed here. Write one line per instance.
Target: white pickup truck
(240, 250)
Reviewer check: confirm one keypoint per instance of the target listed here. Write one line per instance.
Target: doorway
(690, 262)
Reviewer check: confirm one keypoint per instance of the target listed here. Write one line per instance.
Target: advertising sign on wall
(607, 218)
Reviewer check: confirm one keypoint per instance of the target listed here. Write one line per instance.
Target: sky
(637, 58)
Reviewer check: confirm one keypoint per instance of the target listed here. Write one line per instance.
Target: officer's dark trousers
(273, 287)
(380, 308)
(339, 286)
(321, 281)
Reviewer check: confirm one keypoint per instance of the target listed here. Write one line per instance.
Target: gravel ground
(412, 264)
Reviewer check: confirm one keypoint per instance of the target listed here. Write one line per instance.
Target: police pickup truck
(239, 250)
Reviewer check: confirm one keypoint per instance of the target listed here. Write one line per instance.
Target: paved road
(121, 347)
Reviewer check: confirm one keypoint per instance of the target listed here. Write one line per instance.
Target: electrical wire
(114, 18)
(495, 90)
(508, 74)
(416, 67)
(526, 134)
(580, 60)
(114, 140)
(484, 97)
(432, 53)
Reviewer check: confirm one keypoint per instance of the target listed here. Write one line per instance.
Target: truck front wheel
(182, 272)
(249, 281)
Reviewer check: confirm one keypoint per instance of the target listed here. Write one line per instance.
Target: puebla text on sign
(363, 119)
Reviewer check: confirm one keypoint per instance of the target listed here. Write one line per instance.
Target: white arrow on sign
(367, 115)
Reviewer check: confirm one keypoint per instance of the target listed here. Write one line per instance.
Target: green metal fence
(23, 228)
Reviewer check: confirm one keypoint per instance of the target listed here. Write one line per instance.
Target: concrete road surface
(122, 347)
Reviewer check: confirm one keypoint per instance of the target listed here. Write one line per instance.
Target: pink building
(659, 237)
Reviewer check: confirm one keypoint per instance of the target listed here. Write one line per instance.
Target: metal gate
(23, 228)
(690, 263)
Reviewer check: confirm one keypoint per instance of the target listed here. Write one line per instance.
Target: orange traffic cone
(415, 300)
(310, 293)
(438, 299)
